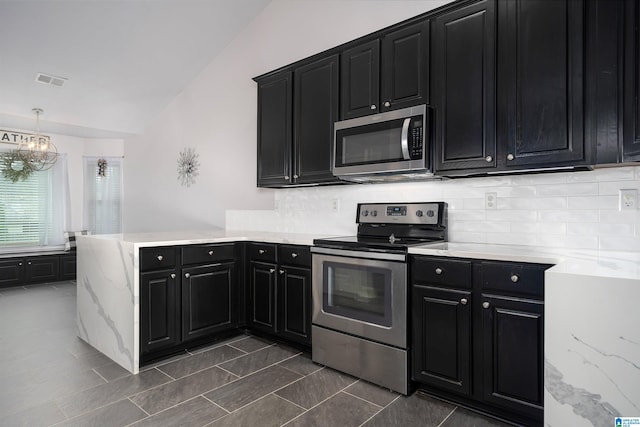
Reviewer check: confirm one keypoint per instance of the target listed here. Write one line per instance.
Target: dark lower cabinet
(478, 334)
(12, 272)
(67, 269)
(208, 302)
(262, 297)
(513, 358)
(294, 304)
(159, 310)
(442, 338)
(42, 269)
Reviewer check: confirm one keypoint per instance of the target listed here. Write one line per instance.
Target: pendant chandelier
(37, 150)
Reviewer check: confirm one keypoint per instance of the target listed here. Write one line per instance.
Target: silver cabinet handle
(387, 104)
(210, 252)
(295, 176)
(286, 178)
(463, 301)
(438, 270)
(489, 159)
(160, 257)
(281, 271)
(19, 264)
(262, 251)
(515, 278)
(294, 255)
(173, 275)
(485, 304)
(187, 275)
(373, 106)
(29, 263)
(272, 270)
(510, 156)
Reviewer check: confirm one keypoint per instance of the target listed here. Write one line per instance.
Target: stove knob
(430, 213)
(374, 213)
(419, 213)
(365, 213)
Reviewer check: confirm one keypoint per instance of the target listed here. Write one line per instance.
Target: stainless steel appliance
(382, 147)
(360, 291)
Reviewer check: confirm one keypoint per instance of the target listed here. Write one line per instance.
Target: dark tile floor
(50, 377)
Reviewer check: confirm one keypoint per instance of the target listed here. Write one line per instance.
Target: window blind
(103, 196)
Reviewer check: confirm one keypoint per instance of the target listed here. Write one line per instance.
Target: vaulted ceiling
(121, 61)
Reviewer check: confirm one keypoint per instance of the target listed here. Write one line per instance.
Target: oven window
(357, 292)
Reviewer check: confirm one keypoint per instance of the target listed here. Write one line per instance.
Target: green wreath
(15, 168)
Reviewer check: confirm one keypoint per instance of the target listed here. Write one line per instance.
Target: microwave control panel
(416, 138)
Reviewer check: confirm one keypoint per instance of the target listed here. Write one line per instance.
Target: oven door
(355, 293)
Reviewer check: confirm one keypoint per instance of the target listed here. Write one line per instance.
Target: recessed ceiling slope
(124, 60)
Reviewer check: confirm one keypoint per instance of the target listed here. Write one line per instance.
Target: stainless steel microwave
(383, 147)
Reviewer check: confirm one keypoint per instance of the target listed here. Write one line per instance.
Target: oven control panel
(402, 213)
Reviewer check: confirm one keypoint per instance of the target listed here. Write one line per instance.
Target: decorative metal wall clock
(188, 167)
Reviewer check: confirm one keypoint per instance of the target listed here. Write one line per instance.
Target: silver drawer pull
(210, 252)
(281, 271)
(515, 278)
(489, 159)
(272, 270)
(187, 275)
(485, 304)
(262, 252)
(463, 301)
(173, 275)
(160, 257)
(294, 255)
(438, 270)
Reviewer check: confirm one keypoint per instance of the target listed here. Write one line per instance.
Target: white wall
(216, 114)
(75, 148)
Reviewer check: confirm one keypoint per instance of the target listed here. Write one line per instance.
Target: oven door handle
(359, 254)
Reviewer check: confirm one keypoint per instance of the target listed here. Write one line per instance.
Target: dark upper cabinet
(274, 129)
(513, 358)
(631, 92)
(540, 87)
(360, 80)
(208, 300)
(315, 110)
(159, 314)
(442, 338)
(386, 73)
(463, 88)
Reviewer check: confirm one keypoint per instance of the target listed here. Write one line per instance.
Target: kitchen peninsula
(592, 343)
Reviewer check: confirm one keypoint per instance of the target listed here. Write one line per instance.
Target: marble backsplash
(576, 210)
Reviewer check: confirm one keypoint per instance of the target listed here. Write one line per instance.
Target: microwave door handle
(404, 139)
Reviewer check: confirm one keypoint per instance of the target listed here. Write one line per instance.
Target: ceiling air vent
(48, 79)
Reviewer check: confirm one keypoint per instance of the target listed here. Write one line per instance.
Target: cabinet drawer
(294, 255)
(444, 272)
(262, 252)
(204, 254)
(157, 258)
(513, 278)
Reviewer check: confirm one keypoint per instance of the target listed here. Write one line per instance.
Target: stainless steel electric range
(360, 291)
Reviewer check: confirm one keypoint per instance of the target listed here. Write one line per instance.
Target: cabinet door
(315, 110)
(631, 92)
(12, 272)
(159, 313)
(208, 300)
(42, 269)
(67, 269)
(463, 88)
(262, 296)
(274, 130)
(513, 354)
(441, 338)
(541, 65)
(294, 304)
(405, 67)
(360, 80)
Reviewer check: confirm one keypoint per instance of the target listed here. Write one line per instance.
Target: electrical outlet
(628, 199)
(335, 205)
(491, 201)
